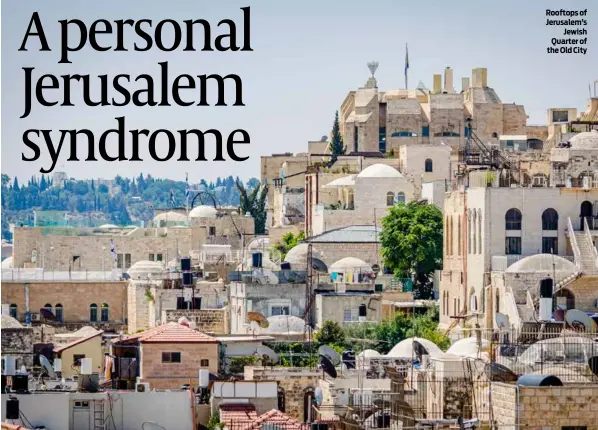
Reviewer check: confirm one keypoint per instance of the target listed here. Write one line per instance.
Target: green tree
(412, 244)
(289, 241)
(337, 146)
(254, 203)
(331, 333)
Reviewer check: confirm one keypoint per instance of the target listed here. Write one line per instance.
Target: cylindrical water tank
(86, 368)
(204, 378)
(57, 365)
(546, 287)
(10, 366)
(256, 259)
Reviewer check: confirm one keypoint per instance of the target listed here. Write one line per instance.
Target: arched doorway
(564, 299)
(281, 399)
(586, 213)
(308, 402)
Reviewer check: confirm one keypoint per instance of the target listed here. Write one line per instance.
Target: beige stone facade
(209, 321)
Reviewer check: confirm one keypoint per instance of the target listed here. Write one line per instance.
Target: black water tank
(12, 409)
(185, 264)
(362, 310)
(256, 259)
(546, 286)
(187, 278)
(285, 266)
(20, 383)
(538, 380)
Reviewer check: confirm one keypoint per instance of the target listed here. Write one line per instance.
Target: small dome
(109, 226)
(586, 140)
(380, 171)
(203, 212)
(406, 348)
(7, 264)
(350, 264)
(10, 322)
(145, 268)
(297, 256)
(542, 263)
(468, 347)
(170, 216)
(369, 353)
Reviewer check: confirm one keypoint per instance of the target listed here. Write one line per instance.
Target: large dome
(170, 216)
(297, 256)
(203, 212)
(7, 264)
(145, 268)
(380, 171)
(586, 140)
(542, 263)
(350, 264)
(10, 322)
(407, 348)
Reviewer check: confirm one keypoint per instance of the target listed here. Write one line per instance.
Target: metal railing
(590, 240)
(574, 246)
(28, 275)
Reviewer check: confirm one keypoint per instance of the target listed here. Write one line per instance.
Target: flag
(172, 197)
(187, 190)
(113, 251)
(406, 63)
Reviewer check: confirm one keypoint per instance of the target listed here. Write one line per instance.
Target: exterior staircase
(588, 254)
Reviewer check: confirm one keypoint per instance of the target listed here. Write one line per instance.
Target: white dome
(203, 212)
(10, 322)
(109, 226)
(7, 264)
(468, 347)
(368, 353)
(586, 140)
(542, 263)
(379, 171)
(170, 216)
(283, 324)
(350, 264)
(144, 268)
(297, 256)
(405, 348)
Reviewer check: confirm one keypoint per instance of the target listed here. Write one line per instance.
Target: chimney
(479, 77)
(448, 80)
(464, 84)
(437, 87)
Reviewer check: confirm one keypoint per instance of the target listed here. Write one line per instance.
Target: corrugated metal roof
(352, 234)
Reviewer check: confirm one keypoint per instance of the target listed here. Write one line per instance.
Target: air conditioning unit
(35, 317)
(142, 387)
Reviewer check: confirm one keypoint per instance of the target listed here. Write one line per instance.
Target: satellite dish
(330, 354)
(318, 265)
(267, 354)
(260, 319)
(47, 366)
(499, 373)
(318, 396)
(376, 268)
(578, 320)
(327, 366)
(126, 276)
(502, 321)
(348, 358)
(559, 315)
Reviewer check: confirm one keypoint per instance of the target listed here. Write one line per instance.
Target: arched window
(469, 233)
(474, 248)
(513, 219)
(12, 311)
(59, 312)
(495, 135)
(458, 235)
(473, 301)
(564, 299)
(550, 219)
(401, 197)
(308, 401)
(390, 198)
(429, 165)
(105, 313)
(93, 312)
(446, 236)
(48, 307)
(479, 231)
(497, 304)
(450, 244)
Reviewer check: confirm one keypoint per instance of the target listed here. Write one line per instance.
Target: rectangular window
(347, 315)
(550, 245)
(127, 261)
(119, 261)
(77, 359)
(158, 257)
(382, 139)
(151, 257)
(560, 116)
(171, 357)
(513, 246)
(426, 131)
(204, 363)
(279, 310)
(212, 231)
(104, 313)
(356, 139)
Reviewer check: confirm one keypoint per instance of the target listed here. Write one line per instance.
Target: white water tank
(57, 365)
(204, 378)
(10, 366)
(86, 368)
(546, 287)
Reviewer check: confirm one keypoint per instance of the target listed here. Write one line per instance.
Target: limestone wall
(18, 342)
(212, 321)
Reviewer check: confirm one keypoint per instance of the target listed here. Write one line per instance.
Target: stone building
(87, 347)
(489, 225)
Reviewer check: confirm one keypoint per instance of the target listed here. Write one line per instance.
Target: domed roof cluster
(203, 212)
(379, 171)
(586, 140)
(542, 263)
(145, 268)
(297, 256)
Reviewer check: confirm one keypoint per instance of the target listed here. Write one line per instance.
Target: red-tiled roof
(6, 426)
(237, 413)
(276, 418)
(77, 342)
(171, 332)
